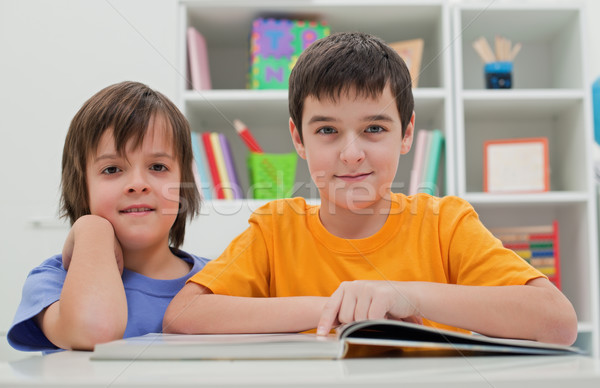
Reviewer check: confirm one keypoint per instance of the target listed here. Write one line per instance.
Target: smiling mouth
(137, 210)
(354, 177)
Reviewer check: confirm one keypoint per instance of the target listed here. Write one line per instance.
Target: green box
(272, 176)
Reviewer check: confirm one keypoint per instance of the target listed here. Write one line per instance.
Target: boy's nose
(352, 151)
(138, 183)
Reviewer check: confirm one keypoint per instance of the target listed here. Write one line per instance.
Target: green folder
(436, 146)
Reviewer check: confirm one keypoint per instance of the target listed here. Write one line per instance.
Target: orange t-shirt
(286, 251)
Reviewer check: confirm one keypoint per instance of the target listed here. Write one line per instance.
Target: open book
(369, 338)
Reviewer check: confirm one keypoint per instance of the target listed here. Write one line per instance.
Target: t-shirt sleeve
(42, 288)
(475, 256)
(243, 269)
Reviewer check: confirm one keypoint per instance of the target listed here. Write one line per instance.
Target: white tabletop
(76, 369)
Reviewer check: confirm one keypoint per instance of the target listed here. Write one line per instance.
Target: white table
(76, 369)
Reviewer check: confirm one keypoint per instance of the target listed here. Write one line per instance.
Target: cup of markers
(498, 66)
(272, 176)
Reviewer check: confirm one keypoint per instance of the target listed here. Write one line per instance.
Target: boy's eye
(374, 129)
(111, 170)
(326, 130)
(158, 167)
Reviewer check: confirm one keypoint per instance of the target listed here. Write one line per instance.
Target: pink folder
(198, 60)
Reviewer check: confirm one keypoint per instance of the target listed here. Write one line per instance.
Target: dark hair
(345, 62)
(125, 108)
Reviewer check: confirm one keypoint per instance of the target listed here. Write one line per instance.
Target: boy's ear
(408, 136)
(298, 145)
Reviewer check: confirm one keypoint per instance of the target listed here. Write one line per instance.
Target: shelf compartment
(575, 246)
(226, 28)
(266, 114)
(560, 119)
(550, 35)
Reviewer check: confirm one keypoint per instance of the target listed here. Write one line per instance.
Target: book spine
(433, 162)
(230, 166)
(198, 60)
(202, 182)
(212, 164)
(415, 174)
(221, 169)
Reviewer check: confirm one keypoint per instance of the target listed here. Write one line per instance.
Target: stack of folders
(214, 169)
(426, 163)
(538, 245)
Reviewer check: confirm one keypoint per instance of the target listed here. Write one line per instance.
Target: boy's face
(352, 147)
(137, 192)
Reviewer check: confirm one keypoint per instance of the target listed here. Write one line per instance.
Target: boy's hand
(368, 299)
(90, 222)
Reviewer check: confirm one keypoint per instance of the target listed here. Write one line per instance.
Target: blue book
(434, 153)
(203, 181)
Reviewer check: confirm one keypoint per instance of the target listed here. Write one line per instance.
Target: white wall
(53, 56)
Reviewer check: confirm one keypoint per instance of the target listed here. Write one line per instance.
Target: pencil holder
(498, 75)
(272, 175)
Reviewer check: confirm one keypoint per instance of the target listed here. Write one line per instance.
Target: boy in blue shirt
(126, 154)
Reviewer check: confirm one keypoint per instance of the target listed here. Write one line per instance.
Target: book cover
(203, 181)
(434, 152)
(418, 161)
(230, 167)
(368, 338)
(275, 45)
(212, 164)
(411, 51)
(221, 169)
(198, 60)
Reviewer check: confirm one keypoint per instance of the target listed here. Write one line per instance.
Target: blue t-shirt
(147, 300)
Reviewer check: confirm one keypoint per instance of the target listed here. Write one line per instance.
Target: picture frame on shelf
(412, 52)
(516, 165)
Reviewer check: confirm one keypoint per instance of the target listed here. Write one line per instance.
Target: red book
(212, 164)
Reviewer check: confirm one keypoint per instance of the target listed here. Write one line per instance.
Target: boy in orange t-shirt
(365, 252)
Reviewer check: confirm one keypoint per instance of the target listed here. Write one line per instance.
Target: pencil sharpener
(498, 75)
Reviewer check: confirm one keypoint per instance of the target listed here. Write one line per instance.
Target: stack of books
(538, 245)
(426, 164)
(214, 169)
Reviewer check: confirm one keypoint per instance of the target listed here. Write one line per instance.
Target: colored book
(212, 164)
(221, 169)
(369, 338)
(198, 60)
(434, 153)
(230, 167)
(418, 161)
(275, 45)
(423, 169)
(203, 181)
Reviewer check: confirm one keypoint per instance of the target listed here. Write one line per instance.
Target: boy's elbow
(96, 333)
(562, 328)
(566, 329)
(183, 315)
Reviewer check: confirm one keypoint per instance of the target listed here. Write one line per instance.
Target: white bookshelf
(226, 26)
(550, 98)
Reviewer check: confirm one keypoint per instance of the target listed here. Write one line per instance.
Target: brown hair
(345, 62)
(126, 108)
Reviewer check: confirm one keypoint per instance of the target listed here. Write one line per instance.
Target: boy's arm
(535, 311)
(92, 306)
(195, 309)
